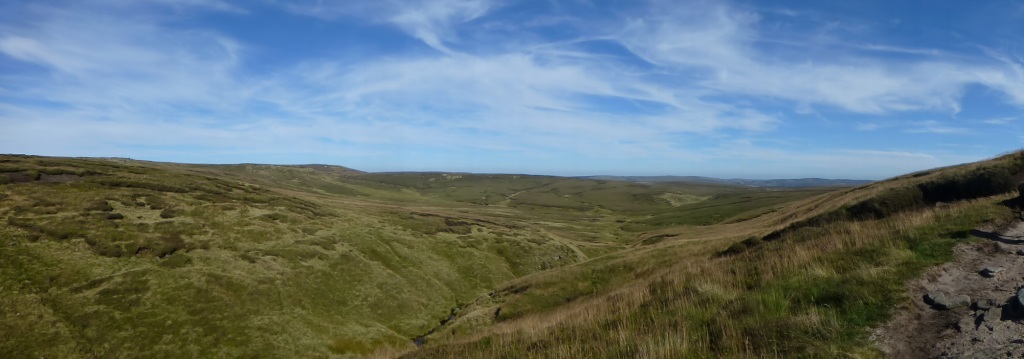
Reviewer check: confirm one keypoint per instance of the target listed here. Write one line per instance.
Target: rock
(966, 324)
(991, 271)
(986, 304)
(992, 315)
(1020, 252)
(960, 300)
(941, 301)
(937, 299)
(1020, 297)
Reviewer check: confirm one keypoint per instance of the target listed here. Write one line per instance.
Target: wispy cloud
(721, 41)
(510, 102)
(935, 127)
(1001, 120)
(868, 126)
(98, 60)
(899, 49)
(433, 22)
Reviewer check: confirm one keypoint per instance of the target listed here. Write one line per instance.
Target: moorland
(108, 257)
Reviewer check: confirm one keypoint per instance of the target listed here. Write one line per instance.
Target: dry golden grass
(811, 293)
(633, 319)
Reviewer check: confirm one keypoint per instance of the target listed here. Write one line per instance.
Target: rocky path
(968, 308)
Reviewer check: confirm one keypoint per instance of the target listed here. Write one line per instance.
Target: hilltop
(117, 257)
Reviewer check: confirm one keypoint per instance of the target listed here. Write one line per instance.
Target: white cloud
(935, 127)
(101, 60)
(1000, 120)
(899, 49)
(515, 97)
(748, 159)
(113, 83)
(218, 5)
(722, 42)
(432, 22)
(868, 126)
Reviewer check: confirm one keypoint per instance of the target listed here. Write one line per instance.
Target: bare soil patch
(991, 326)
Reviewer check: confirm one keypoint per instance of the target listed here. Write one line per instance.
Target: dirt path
(991, 326)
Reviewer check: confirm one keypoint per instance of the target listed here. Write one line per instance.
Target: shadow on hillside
(995, 237)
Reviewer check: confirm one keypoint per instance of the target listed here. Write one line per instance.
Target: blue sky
(782, 89)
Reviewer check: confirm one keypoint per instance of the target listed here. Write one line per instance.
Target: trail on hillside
(991, 325)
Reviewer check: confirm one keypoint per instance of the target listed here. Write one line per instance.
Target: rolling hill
(124, 258)
(807, 280)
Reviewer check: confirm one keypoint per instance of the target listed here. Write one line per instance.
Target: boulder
(992, 315)
(966, 324)
(986, 304)
(942, 300)
(936, 298)
(960, 300)
(1020, 297)
(1020, 252)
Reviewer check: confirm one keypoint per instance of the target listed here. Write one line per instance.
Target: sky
(735, 89)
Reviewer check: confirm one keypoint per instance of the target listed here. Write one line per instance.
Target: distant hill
(788, 183)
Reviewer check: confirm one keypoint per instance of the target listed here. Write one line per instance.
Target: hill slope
(808, 280)
(230, 268)
(114, 257)
(109, 257)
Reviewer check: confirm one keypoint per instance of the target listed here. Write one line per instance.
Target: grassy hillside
(804, 280)
(114, 257)
(122, 258)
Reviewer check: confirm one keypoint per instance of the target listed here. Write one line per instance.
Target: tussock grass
(801, 296)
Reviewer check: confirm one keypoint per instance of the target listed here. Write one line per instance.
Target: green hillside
(115, 257)
(807, 280)
(124, 258)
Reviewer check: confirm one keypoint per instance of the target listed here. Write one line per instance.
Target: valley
(288, 259)
(126, 258)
